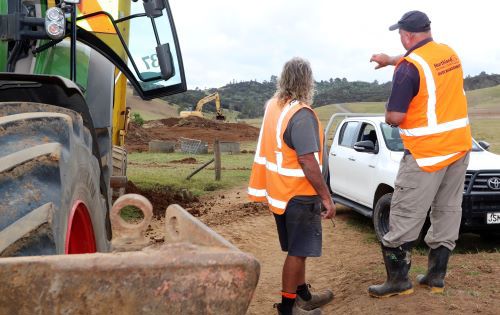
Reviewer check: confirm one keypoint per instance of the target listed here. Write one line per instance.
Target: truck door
(340, 160)
(366, 164)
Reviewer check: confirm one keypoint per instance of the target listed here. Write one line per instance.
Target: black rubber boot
(436, 270)
(397, 264)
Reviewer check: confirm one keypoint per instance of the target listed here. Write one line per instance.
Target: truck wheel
(381, 215)
(50, 199)
(381, 219)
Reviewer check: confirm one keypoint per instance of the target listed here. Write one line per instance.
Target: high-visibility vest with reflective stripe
(436, 128)
(276, 173)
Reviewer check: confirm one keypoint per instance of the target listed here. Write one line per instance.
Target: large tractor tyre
(50, 198)
(381, 219)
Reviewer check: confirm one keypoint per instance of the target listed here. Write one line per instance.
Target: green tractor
(64, 68)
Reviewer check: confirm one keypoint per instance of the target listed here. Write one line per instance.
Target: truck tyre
(50, 197)
(381, 219)
(381, 215)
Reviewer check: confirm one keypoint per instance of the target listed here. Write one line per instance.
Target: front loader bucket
(197, 272)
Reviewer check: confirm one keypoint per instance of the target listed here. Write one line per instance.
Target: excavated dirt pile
(172, 129)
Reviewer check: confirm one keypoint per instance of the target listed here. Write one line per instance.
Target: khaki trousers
(415, 192)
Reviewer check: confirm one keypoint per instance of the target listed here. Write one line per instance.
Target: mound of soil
(189, 160)
(207, 130)
(163, 196)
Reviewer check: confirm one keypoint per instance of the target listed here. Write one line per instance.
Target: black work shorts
(299, 229)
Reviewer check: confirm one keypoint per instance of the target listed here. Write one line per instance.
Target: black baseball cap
(413, 21)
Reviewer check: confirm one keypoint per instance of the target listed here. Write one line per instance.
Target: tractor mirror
(166, 61)
(154, 8)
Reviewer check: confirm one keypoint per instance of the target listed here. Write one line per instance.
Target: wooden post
(217, 159)
(199, 169)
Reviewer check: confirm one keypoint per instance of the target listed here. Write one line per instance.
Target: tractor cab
(137, 37)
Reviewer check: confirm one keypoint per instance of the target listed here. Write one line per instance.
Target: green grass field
(147, 115)
(488, 98)
(148, 169)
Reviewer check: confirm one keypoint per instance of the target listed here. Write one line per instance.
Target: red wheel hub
(80, 237)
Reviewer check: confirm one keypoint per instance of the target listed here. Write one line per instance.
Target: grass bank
(147, 170)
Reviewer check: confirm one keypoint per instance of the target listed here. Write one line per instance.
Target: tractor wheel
(50, 197)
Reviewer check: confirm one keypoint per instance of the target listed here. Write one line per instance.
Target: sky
(226, 40)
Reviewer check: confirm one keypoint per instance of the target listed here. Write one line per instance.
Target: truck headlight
(55, 23)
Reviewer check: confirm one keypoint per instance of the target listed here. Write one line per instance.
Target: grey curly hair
(296, 82)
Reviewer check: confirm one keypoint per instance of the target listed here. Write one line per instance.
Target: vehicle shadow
(468, 243)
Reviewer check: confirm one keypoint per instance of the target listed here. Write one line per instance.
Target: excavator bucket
(195, 272)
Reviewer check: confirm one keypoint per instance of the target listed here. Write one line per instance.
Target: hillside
(150, 110)
(248, 98)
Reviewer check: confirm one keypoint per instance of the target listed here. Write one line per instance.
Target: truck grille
(482, 182)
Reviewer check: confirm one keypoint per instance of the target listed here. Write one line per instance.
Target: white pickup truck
(363, 162)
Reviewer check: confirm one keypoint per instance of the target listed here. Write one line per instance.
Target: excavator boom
(199, 106)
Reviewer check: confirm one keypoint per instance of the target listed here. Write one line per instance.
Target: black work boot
(436, 270)
(313, 299)
(397, 264)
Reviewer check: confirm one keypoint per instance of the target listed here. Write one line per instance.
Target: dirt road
(352, 261)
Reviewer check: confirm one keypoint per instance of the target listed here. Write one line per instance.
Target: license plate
(493, 218)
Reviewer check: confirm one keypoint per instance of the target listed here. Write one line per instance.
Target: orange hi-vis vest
(436, 128)
(276, 173)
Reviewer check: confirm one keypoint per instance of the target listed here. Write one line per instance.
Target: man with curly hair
(286, 174)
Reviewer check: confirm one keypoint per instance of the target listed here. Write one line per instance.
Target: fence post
(217, 159)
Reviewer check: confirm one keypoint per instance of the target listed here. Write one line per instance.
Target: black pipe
(155, 31)
(72, 72)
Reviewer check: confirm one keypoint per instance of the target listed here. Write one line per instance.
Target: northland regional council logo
(494, 183)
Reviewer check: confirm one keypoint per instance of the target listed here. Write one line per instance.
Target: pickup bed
(363, 162)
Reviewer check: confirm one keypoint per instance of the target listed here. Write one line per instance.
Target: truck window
(368, 133)
(348, 133)
(392, 137)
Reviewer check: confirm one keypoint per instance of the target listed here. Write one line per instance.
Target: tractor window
(132, 38)
(142, 46)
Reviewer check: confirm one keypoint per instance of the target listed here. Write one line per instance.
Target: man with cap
(429, 106)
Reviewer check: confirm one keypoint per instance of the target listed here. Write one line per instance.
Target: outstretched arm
(383, 60)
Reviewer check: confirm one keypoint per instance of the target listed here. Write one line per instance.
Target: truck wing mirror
(365, 146)
(166, 61)
(485, 145)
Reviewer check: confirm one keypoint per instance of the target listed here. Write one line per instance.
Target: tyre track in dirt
(351, 262)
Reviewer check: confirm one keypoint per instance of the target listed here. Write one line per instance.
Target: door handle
(352, 159)
(372, 166)
(334, 154)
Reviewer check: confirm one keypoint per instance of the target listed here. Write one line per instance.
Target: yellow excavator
(199, 106)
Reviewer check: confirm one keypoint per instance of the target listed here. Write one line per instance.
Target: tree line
(249, 97)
